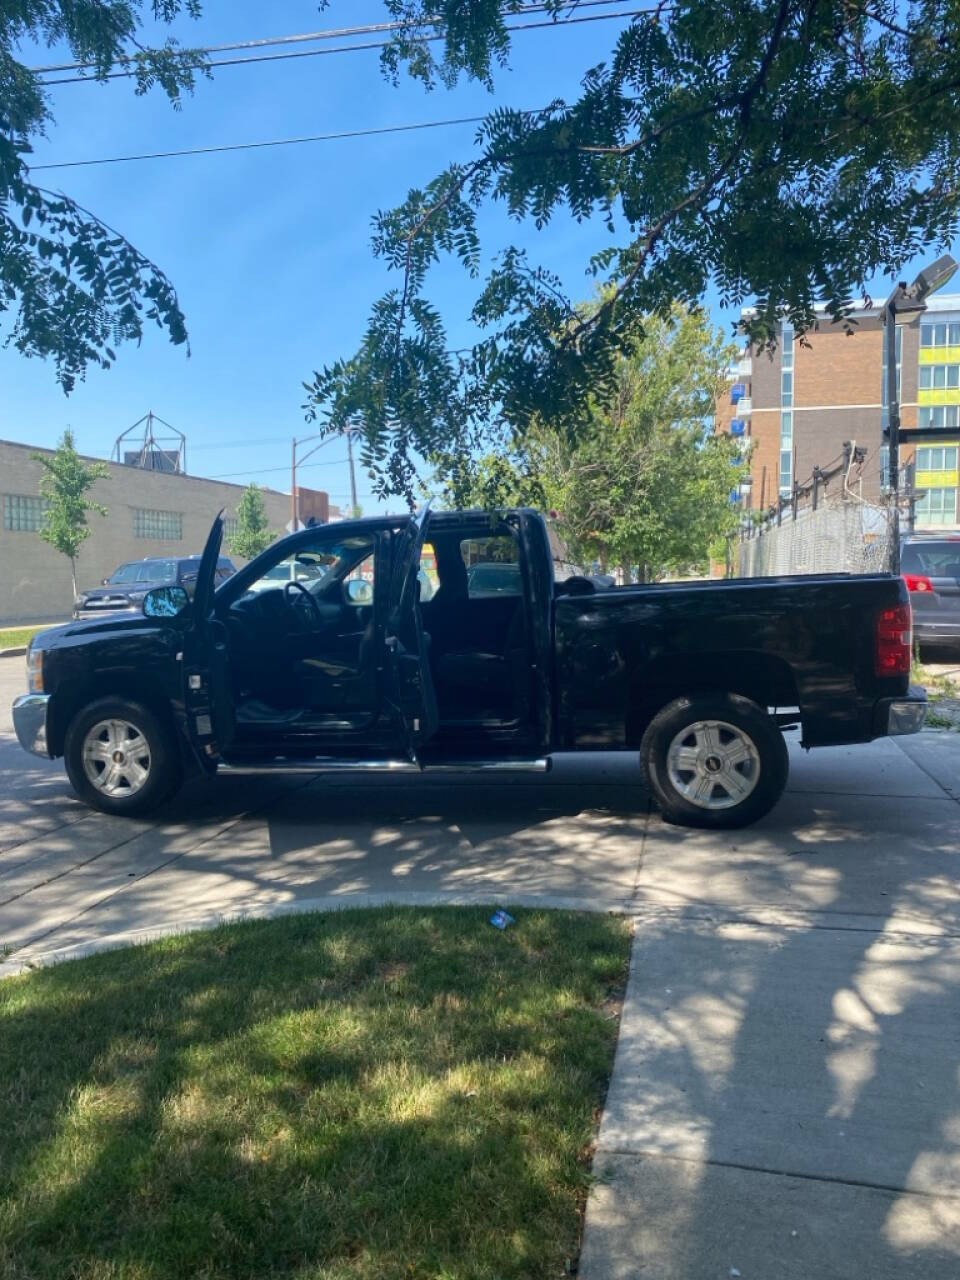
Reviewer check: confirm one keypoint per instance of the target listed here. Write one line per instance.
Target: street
(789, 1041)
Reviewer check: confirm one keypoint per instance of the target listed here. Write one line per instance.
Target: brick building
(798, 404)
(151, 513)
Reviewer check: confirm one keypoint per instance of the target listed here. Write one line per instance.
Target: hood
(69, 633)
(123, 591)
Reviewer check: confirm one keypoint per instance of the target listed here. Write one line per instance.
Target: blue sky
(269, 249)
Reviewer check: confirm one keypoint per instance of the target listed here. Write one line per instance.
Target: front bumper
(30, 721)
(896, 716)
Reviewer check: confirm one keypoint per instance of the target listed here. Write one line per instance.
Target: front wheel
(714, 760)
(121, 758)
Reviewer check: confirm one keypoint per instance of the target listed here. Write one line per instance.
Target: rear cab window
(493, 566)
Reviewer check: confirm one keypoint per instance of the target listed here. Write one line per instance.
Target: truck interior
(305, 638)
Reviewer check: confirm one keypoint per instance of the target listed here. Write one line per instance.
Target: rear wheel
(121, 758)
(714, 760)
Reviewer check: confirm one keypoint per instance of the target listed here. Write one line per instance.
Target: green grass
(17, 637)
(365, 1094)
(943, 692)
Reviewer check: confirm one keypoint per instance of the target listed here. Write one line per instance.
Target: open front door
(408, 661)
(207, 698)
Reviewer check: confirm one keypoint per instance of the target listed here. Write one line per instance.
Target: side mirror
(104, 582)
(165, 602)
(359, 591)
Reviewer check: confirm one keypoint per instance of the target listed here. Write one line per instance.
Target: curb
(13, 967)
(13, 653)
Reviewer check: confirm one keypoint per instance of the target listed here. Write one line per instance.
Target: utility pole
(293, 489)
(353, 474)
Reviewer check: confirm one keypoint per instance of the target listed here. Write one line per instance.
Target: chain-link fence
(823, 528)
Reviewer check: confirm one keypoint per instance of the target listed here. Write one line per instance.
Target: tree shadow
(786, 1099)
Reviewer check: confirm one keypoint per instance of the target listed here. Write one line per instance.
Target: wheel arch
(74, 695)
(765, 679)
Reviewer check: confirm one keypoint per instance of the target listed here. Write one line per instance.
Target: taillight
(894, 641)
(917, 582)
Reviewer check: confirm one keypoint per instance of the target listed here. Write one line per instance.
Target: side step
(540, 765)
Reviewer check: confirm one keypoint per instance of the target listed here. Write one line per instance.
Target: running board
(541, 765)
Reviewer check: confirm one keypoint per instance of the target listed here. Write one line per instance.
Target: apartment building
(150, 513)
(798, 404)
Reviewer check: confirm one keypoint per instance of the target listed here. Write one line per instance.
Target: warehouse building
(150, 513)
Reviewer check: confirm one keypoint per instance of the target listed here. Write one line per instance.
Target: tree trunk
(73, 575)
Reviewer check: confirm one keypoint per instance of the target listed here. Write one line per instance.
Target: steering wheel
(312, 610)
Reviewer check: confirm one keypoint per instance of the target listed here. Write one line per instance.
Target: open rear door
(408, 660)
(207, 698)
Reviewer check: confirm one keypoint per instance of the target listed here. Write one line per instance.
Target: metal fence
(825, 526)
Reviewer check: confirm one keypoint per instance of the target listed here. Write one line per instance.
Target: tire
(714, 760)
(99, 739)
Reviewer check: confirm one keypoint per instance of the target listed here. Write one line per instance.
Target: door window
(493, 566)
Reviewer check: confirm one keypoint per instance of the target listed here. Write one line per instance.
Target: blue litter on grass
(500, 919)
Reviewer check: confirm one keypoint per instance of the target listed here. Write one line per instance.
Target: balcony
(744, 406)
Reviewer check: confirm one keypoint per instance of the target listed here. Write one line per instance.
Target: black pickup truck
(377, 644)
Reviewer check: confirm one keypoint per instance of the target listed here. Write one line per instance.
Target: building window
(231, 526)
(939, 377)
(938, 417)
(937, 506)
(23, 514)
(937, 458)
(940, 335)
(885, 466)
(786, 389)
(163, 526)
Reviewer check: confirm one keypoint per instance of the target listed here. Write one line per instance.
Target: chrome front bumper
(30, 722)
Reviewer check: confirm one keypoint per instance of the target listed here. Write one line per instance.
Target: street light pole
(893, 423)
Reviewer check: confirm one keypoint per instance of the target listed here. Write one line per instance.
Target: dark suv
(930, 563)
(127, 586)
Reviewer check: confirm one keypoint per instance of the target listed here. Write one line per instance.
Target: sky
(270, 249)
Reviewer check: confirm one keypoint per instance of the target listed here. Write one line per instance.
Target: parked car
(125, 589)
(697, 680)
(494, 578)
(930, 564)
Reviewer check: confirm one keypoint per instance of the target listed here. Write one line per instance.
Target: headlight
(136, 596)
(34, 670)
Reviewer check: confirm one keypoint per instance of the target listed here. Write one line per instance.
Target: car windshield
(935, 559)
(126, 573)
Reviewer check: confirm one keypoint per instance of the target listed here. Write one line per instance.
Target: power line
(265, 471)
(354, 48)
(273, 142)
(337, 33)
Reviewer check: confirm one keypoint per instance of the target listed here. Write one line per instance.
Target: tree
(645, 485)
(65, 486)
(71, 287)
(783, 150)
(253, 533)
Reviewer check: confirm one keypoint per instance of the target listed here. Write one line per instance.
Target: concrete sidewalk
(785, 1099)
(785, 1102)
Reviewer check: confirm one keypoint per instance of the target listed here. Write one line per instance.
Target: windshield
(935, 559)
(145, 571)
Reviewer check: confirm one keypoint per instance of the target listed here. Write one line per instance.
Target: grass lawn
(17, 637)
(379, 1093)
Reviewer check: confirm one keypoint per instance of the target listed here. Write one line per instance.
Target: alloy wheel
(116, 758)
(713, 764)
